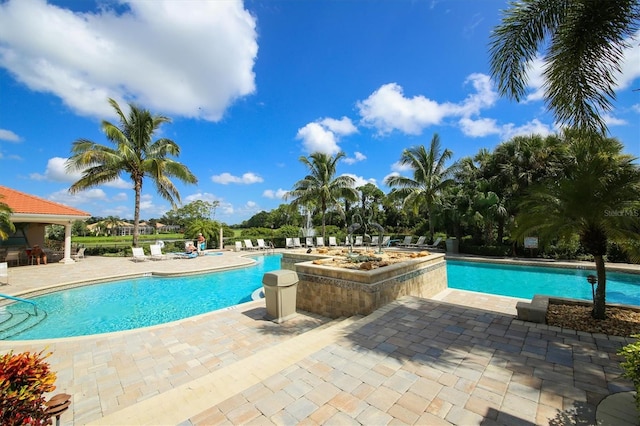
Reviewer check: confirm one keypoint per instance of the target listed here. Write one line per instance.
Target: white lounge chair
(4, 272)
(358, 242)
(308, 242)
(138, 254)
(261, 245)
(238, 245)
(79, 254)
(156, 252)
(374, 240)
(289, 242)
(386, 240)
(434, 245)
(296, 242)
(418, 243)
(333, 242)
(319, 241)
(249, 245)
(13, 255)
(347, 241)
(406, 242)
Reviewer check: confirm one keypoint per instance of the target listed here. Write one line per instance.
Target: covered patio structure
(31, 214)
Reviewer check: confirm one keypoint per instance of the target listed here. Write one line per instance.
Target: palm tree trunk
(136, 212)
(599, 304)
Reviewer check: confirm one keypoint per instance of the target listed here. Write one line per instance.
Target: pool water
(527, 281)
(142, 302)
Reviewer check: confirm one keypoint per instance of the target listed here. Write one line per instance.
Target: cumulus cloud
(357, 157)
(533, 127)
(323, 135)
(56, 172)
(227, 178)
(398, 167)
(277, 194)
(90, 196)
(389, 175)
(202, 56)
(359, 180)
(202, 196)
(9, 136)
(613, 121)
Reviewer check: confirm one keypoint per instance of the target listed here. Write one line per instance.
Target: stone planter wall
(337, 292)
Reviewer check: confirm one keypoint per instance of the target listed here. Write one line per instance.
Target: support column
(67, 244)
(221, 244)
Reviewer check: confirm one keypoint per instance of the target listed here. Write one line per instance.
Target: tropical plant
(24, 379)
(133, 154)
(596, 198)
(320, 187)
(430, 177)
(210, 230)
(631, 366)
(584, 42)
(6, 226)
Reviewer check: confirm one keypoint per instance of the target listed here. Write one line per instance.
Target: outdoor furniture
(374, 240)
(13, 255)
(238, 245)
(79, 254)
(319, 242)
(4, 273)
(418, 243)
(308, 242)
(296, 242)
(156, 252)
(138, 254)
(358, 242)
(434, 245)
(333, 242)
(249, 245)
(261, 245)
(406, 242)
(289, 242)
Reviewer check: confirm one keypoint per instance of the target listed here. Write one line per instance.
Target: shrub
(631, 366)
(24, 379)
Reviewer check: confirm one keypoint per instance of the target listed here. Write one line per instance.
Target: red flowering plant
(24, 379)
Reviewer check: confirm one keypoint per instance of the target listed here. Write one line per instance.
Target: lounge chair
(374, 240)
(156, 252)
(138, 254)
(289, 242)
(261, 245)
(347, 241)
(308, 242)
(406, 242)
(386, 240)
(333, 242)
(191, 255)
(4, 272)
(418, 243)
(248, 245)
(296, 242)
(434, 245)
(358, 242)
(238, 245)
(79, 254)
(319, 241)
(13, 255)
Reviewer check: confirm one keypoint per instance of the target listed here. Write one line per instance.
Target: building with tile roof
(31, 214)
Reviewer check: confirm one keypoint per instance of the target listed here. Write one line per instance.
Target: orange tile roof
(22, 203)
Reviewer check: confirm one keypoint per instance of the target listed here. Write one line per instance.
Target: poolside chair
(4, 272)
(156, 252)
(296, 242)
(238, 245)
(261, 245)
(288, 242)
(319, 241)
(79, 254)
(386, 240)
(418, 243)
(358, 242)
(13, 255)
(434, 245)
(308, 242)
(347, 241)
(249, 245)
(406, 242)
(374, 240)
(333, 242)
(138, 254)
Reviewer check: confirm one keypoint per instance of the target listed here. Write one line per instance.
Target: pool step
(13, 323)
(192, 398)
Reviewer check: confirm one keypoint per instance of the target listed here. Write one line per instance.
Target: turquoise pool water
(527, 281)
(140, 302)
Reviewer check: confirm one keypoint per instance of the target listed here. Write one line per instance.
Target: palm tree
(584, 41)
(430, 177)
(6, 226)
(320, 187)
(134, 154)
(596, 198)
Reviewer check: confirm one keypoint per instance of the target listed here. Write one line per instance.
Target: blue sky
(250, 87)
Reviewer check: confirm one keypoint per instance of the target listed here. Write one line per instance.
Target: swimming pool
(134, 303)
(527, 281)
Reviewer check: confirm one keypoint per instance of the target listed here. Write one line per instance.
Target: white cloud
(120, 196)
(387, 109)
(610, 120)
(342, 127)
(9, 136)
(359, 180)
(357, 157)
(93, 196)
(389, 175)
(251, 205)
(536, 81)
(277, 194)
(533, 127)
(227, 178)
(202, 196)
(56, 172)
(317, 138)
(479, 128)
(636, 108)
(202, 56)
(399, 167)
(629, 67)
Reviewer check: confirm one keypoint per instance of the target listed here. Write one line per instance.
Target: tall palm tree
(133, 153)
(596, 198)
(584, 41)
(320, 187)
(430, 177)
(6, 226)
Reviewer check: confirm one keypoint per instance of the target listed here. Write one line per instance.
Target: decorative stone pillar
(67, 244)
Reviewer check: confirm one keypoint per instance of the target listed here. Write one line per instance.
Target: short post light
(593, 280)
